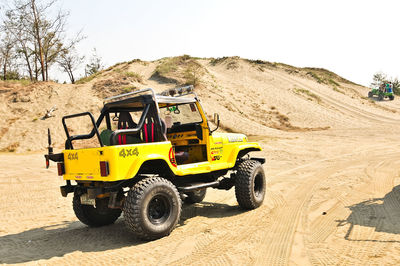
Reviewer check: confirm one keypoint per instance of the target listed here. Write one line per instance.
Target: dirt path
(333, 198)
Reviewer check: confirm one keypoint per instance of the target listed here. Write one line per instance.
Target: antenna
(50, 148)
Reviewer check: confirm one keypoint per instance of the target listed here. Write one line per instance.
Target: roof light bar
(125, 95)
(178, 91)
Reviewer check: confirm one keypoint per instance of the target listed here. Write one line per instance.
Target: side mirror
(216, 121)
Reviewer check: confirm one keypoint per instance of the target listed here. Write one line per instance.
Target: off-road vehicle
(384, 91)
(154, 150)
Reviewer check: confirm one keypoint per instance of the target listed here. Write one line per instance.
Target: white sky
(353, 38)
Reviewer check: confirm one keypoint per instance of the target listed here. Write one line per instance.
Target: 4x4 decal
(73, 156)
(129, 152)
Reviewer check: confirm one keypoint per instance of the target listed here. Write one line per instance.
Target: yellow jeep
(155, 150)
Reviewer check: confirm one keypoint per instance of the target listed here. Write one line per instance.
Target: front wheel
(370, 94)
(95, 216)
(380, 97)
(250, 184)
(391, 97)
(152, 208)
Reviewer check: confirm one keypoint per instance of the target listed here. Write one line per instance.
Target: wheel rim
(258, 186)
(159, 209)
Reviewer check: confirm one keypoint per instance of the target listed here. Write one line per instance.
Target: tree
(378, 79)
(40, 36)
(6, 54)
(95, 64)
(69, 61)
(192, 74)
(16, 26)
(396, 86)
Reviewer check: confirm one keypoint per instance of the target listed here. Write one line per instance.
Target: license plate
(85, 200)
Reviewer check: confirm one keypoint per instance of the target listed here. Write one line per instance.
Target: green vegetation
(261, 62)
(137, 77)
(167, 66)
(326, 76)
(192, 75)
(311, 96)
(22, 82)
(128, 74)
(33, 40)
(88, 78)
(216, 61)
(128, 89)
(337, 90)
(134, 61)
(231, 62)
(320, 75)
(315, 76)
(95, 64)
(331, 81)
(183, 70)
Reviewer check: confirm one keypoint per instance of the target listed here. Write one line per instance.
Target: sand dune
(332, 167)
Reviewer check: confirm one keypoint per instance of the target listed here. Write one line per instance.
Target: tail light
(104, 168)
(60, 169)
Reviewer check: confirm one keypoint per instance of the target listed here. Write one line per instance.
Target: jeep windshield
(182, 114)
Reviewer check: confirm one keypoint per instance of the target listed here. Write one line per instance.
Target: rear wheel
(195, 196)
(152, 208)
(391, 97)
(380, 97)
(250, 184)
(95, 216)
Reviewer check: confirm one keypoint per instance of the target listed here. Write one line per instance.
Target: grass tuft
(311, 96)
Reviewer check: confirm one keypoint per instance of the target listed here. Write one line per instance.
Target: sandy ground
(333, 198)
(333, 195)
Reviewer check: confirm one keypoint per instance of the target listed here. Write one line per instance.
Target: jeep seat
(125, 121)
(148, 130)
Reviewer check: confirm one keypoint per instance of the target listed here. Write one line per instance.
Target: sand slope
(333, 193)
(252, 98)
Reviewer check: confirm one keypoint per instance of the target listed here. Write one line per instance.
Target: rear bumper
(65, 190)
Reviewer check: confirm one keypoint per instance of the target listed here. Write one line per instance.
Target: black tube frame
(94, 131)
(118, 132)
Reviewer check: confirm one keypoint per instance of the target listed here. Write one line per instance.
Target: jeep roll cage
(146, 100)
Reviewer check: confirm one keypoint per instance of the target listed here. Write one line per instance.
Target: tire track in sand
(353, 252)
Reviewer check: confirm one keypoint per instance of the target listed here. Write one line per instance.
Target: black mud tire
(152, 208)
(250, 184)
(380, 97)
(370, 94)
(95, 216)
(391, 97)
(195, 196)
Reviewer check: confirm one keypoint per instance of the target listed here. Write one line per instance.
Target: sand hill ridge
(252, 96)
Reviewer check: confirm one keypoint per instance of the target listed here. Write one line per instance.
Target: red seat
(148, 130)
(125, 121)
